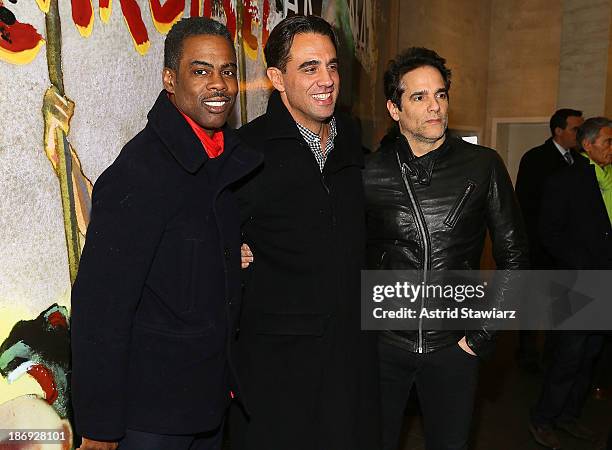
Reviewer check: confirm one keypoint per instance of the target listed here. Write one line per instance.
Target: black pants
(446, 383)
(140, 440)
(568, 377)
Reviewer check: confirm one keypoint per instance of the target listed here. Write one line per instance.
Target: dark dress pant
(446, 383)
(140, 440)
(568, 377)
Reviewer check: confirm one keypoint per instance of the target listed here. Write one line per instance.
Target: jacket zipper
(424, 237)
(453, 215)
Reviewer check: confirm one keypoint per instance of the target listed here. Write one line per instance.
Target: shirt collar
(562, 150)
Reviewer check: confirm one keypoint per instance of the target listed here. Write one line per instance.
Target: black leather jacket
(432, 213)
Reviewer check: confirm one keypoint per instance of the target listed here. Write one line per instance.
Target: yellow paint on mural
(105, 13)
(162, 27)
(86, 31)
(43, 5)
(9, 316)
(251, 53)
(143, 48)
(23, 57)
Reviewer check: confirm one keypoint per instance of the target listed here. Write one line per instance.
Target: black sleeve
(505, 225)
(553, 222)
(125, 228)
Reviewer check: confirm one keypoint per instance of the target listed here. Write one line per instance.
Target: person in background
(576, 230)
(535, 167)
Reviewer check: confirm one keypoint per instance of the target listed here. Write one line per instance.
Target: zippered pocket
(455, 212)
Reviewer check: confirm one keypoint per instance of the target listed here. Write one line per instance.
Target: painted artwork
(77, 78)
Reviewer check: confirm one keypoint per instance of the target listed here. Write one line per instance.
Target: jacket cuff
(481, 342)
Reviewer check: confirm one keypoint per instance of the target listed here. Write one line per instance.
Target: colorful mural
(77, 78)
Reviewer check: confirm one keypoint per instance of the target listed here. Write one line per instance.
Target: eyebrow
(312, 62)
(425, 91)
(316, 62)
(196, 62)
(207, 64)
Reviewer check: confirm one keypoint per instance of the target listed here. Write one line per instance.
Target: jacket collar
(182, 143)
(176, 134)
(281, 124)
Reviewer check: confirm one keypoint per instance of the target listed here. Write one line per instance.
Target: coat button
(227, 253)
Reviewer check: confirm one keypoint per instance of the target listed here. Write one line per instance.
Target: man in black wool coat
(157, 295)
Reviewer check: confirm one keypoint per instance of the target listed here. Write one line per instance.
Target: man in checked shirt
(308, 373)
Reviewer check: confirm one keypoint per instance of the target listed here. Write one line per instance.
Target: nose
(326, 79)
(434, 104)
(216, 82)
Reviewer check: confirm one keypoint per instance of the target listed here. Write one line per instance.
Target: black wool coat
(308, 373)
(536, 166)
(574, 224)
(158, 289)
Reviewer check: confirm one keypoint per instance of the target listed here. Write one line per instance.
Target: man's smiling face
(309, 85)
(205, 85)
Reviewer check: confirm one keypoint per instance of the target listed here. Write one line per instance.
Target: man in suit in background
(535, 167)
(576, 230)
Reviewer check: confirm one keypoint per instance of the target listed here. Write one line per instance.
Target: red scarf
(212, 145)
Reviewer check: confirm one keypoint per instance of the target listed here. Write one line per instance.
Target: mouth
(217, 105)
(324, 98)
(434, 121)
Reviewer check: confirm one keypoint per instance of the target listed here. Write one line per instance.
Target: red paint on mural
(19, 42)
(230, 15)
(82, 16)
(194, 10)
(137, 28)
(250, 17)
(265, 33)
(167, 15)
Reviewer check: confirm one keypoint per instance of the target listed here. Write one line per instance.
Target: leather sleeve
(510, 250)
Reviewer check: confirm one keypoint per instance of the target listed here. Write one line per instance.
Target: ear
(276, 77)
(393, 110)
(558, 131)
(586, 145)
(169, 79)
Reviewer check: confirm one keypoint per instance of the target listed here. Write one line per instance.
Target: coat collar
(281, 125)
(176, 134)
(182, 143)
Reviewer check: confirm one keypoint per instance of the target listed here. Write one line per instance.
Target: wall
(524, 59)
(459, 31)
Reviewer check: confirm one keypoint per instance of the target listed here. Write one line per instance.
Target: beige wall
(523, 59)
(585, 39)
(459, 31)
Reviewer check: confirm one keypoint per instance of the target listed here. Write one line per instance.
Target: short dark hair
(192, 26)
(559, 118)
(407, 61)
(281, 38)
(590, 129)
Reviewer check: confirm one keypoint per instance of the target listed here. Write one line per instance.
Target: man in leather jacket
(430, 200)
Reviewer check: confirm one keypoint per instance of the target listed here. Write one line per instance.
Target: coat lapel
(176, 134)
